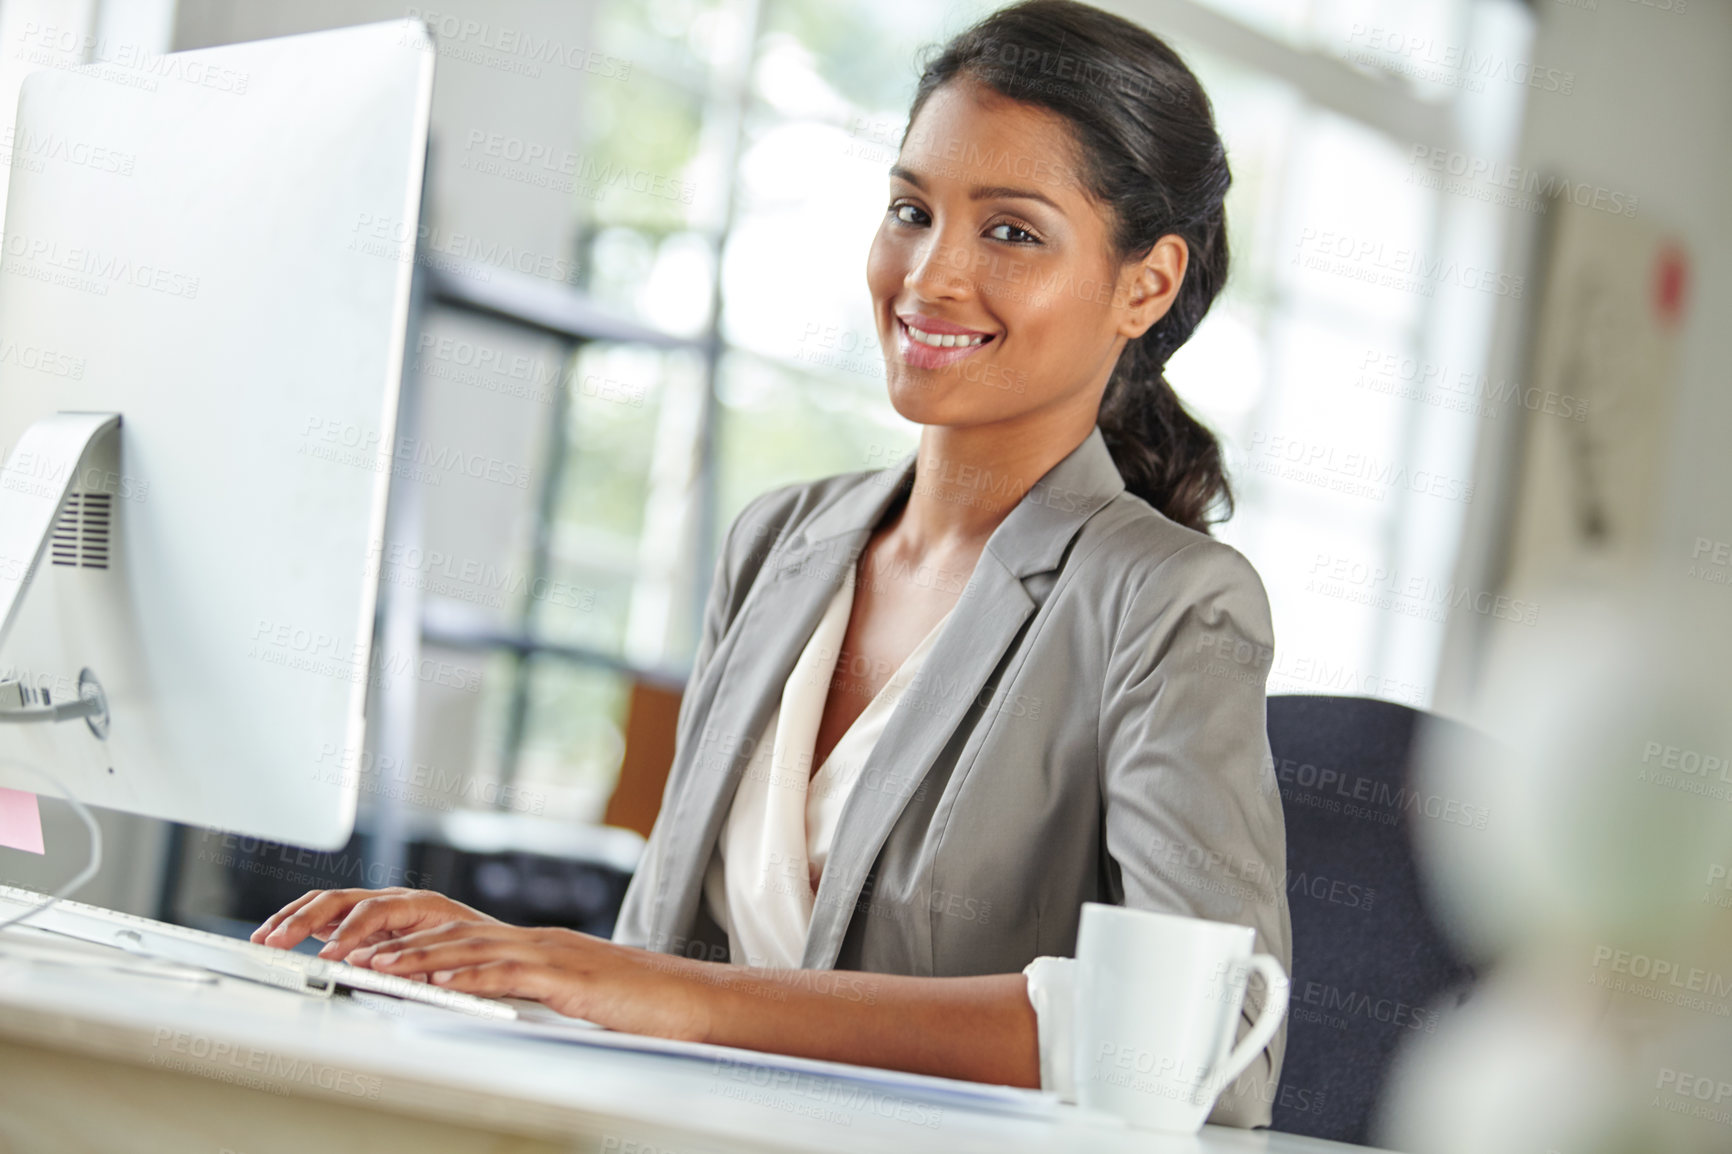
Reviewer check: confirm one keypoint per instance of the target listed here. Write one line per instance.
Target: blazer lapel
(989, 617)
(774, 625)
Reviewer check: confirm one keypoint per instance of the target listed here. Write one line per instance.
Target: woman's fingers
(565, 970)
(271, 923)
(387, 914)
(311, 914)
(348, 920)
(371, 939)
(505, 978)
(426, 950)
(382, 941)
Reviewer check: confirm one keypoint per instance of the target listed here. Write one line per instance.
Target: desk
(96, 1059)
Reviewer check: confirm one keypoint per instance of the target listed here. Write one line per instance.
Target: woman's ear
(1147, 287)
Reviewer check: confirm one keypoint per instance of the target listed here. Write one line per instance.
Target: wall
(1650, 116)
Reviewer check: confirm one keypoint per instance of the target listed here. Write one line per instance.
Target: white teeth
(943, 341)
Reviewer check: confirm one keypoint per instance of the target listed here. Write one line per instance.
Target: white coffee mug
(1157, 1007)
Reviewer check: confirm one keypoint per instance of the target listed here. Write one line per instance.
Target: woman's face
(994, 283)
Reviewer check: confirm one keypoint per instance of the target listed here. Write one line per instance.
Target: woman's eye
(907, 214)
(1020, 235)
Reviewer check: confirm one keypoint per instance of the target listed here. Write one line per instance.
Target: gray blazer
(1088, 726)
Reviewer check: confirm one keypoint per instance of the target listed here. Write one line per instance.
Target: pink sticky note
(20, 821)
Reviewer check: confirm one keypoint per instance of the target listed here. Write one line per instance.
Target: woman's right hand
(346, 920)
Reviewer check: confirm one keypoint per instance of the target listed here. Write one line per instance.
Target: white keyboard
(288, 970)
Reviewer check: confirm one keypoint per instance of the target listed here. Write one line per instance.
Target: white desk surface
(304, 1056)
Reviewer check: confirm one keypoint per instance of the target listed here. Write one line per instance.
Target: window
(725, 196)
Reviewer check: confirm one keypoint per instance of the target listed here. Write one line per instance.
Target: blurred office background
(643, 263)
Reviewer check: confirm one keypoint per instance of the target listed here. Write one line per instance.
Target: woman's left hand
(576, 974)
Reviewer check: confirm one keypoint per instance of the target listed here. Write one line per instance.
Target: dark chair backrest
(1370, 963)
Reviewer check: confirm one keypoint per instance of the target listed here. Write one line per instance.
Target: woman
(1025, 675)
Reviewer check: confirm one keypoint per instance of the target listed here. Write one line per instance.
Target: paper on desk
(20, 821)
(544, 1024)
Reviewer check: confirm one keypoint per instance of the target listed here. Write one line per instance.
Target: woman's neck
(966, 481)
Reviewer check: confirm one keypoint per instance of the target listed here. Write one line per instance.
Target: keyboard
(285, 969)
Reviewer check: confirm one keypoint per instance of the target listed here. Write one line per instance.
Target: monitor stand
(42, 471)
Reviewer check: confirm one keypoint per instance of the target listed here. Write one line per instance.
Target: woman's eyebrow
(1003, 192)
(981, 191)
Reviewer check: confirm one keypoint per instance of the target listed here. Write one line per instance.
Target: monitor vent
(81, 532)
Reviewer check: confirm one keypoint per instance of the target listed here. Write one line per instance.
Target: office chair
(1371, 966)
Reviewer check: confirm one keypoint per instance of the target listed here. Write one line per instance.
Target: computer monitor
(216, 247)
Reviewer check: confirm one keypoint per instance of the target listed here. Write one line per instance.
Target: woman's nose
(942, 269)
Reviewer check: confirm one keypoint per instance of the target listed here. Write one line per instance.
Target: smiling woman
(938, 707)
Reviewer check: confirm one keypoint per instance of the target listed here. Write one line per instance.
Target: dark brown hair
(1148, 149)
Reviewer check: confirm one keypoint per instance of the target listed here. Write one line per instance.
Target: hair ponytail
(1149, 150)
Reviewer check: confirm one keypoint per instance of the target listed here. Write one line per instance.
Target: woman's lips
(924, 356)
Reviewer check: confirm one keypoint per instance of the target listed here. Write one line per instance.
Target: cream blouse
(763, 877)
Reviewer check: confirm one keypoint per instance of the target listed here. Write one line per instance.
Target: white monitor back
(220, 250)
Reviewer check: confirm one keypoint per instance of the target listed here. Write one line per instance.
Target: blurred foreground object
(1597, 888)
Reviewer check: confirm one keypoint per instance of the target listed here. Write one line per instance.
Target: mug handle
(1263, 1029)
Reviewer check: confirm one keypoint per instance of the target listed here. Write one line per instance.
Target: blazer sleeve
(752, 537)
(632, 927)
(1193, 818)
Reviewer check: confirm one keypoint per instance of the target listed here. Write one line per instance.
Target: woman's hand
(421, 934)
(576, 974)
(978, 1028)
(346, 920)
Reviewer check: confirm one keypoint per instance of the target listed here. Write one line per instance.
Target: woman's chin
(936, 398)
